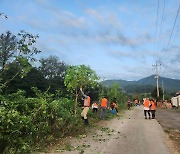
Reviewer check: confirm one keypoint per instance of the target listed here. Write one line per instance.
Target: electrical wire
(157, 16)
(162, 19)
(173, 28)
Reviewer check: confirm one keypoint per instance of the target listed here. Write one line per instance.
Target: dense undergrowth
(27, 122)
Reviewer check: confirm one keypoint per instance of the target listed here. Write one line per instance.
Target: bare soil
(169, 119)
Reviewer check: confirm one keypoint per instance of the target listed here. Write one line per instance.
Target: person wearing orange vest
(147, 105)
(114, 106)
(153, 108)
(104, 106)
(95, 107)
(86, 106)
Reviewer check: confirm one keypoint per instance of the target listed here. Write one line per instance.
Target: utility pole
(163, 89)
(157, 77)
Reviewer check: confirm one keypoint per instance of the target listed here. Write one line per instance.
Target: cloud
(171, 70)
(62, 18)
(121, 54)
(105, 18)
(95, 14)
(105, 29)
(115, 38)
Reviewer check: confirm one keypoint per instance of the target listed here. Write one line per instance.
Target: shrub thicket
(25, 122)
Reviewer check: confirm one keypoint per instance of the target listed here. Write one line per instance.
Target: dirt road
(127, 134)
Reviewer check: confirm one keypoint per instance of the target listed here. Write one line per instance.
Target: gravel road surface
(129, 133)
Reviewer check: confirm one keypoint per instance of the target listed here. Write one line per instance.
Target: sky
(118, 39)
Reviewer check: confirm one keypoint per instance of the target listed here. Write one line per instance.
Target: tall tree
(18, 50)
(79, 76)
(52, 67)
(8, 44)
(54, 71)
(13, 48)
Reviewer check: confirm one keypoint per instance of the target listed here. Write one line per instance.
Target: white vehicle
(175, 101)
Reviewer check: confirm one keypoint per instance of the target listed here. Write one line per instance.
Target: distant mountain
(146, 84)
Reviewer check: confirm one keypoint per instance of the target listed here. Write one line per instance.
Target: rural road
(127, 134)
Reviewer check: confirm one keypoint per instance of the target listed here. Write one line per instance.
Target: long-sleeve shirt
(86, 100)
(85, 96)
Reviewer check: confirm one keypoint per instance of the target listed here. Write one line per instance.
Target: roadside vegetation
(39, 105)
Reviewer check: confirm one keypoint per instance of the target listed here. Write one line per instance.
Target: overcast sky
(119, 39)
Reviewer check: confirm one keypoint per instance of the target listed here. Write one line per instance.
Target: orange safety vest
(87, 101)
(104, 102)
(153, 107)
(146, 103)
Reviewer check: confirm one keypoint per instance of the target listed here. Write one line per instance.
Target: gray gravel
(129, 133)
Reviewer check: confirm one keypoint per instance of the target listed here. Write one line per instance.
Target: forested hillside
(146, 84)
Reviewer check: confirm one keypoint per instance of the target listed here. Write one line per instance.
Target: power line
(157, 16)
(162, 19)
(173, 27)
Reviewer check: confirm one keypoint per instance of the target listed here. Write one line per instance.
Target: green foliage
(114, 93)
(53, 71)
(22, 120)
(26, 122)
(14, 72)
(80, 76)
(154, 94)
(61, 116)
(52, 67)
(102, 91)
(8, 43)
(14, 48)
(18, 50)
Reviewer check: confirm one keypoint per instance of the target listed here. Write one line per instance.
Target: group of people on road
(149, 108)
(136, 103)
(103, 105)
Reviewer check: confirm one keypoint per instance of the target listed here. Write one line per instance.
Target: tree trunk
(75, 105)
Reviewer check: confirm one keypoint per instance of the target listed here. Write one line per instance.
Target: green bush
(27, 123)
(24, 122)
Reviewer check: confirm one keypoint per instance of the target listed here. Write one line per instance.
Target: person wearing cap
(85, 108)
